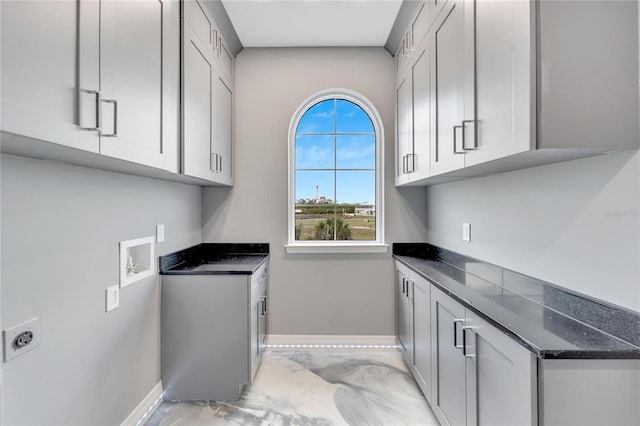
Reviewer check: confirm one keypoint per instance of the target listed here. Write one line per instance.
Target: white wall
(575, 224)
(60, 231)
(309, 294)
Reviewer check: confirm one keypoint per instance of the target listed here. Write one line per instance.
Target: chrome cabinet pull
(220, 163)
(115, 118)
(455, 142)
(464, 132)
(411, 166)
(403, 286)
(214, 162)
(465, 352)
(455, 333)
(97, 95)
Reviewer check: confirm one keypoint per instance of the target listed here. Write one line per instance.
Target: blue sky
(318, 147)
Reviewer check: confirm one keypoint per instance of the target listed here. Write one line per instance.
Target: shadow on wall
(216, 203)
(571, 223)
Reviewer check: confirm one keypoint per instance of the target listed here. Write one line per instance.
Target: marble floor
(315, 387)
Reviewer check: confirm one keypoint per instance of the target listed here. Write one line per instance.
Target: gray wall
(309, 294)
(575, 224)
(60, 231)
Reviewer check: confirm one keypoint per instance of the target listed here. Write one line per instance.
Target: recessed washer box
(136, 260)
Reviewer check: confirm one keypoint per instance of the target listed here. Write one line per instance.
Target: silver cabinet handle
(115, 118)
(455, 333)
(220, 163)
(97, 95)
(404, 164)
(214, 163)
(455, 141)
(464, 132)
(411, 166)
(465, 352)
(403, 286)
(217, 43)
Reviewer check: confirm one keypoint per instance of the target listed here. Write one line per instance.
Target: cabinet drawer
(199, 20)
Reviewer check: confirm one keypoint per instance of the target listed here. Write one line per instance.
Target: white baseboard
(329, 340)
(146, 407)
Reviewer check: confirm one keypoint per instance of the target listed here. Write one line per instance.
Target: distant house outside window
(335, 173)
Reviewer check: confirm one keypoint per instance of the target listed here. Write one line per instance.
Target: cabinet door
(254, 336)
(435, 7)
(197, 107)
(222, 142)
(420, 24)
(405, 314)
(448, 398)
(501, 377)
(419, 154)
(447, 98)
(422, 334)
(501, 47)
(404, 130)
(139, 47)
(50, 71)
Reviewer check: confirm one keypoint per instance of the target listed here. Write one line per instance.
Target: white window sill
(337, 248)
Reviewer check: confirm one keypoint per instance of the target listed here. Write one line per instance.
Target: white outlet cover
(9, 335)
(159, 233)
(466, 232)
(112, 298)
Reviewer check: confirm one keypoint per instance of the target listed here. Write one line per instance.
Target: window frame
(337, 246)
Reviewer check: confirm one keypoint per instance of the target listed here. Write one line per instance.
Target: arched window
(335, 175)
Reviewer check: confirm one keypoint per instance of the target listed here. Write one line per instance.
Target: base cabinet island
(213, 320)
(489, 346)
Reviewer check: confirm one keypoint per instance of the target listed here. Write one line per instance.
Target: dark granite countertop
(215, 259)
(552, 322)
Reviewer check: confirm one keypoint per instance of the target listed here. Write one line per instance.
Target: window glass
(335, 173)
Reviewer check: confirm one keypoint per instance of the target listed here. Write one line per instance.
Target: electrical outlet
(159, 233)
(466, 232)
(112, 300)
(21, 338)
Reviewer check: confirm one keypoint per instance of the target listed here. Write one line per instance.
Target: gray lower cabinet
(213, 334)
(414, 334)
(480, 375)
(473, 373)
(448, 394)
(404, 313)
(470, 372)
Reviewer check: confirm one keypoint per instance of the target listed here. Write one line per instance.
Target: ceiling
(311, 23)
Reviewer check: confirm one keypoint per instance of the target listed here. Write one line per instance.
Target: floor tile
(315, 387)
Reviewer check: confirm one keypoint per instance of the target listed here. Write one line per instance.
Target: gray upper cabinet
(499, 81)
(413, 118)
(110, 84)
(47, 103)
(139, 81)
(448, 97)
(207, 98)
(512, 88)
